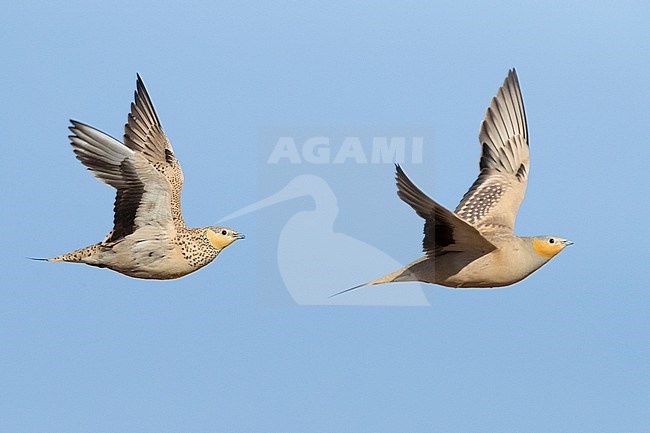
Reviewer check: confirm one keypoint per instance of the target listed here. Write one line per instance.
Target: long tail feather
(347, 290)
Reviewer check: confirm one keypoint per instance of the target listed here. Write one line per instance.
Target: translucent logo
(305, 252)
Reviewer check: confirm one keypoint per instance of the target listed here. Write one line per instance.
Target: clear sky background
(85, 349)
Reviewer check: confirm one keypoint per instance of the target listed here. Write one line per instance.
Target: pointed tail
(347, 290)
(402, 274)
(82, 255)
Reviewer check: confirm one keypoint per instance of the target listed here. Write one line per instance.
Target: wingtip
(139, 86)
(138, 80)
(76, 127)
(512, 76)
(142, 100)
(398, 171)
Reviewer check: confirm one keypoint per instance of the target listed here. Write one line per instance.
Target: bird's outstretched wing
(143, 193)
(144, 134)
(443, 230)
(492, 202)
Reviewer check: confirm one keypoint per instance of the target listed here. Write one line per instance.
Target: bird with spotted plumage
(149, 238)
(475, 246)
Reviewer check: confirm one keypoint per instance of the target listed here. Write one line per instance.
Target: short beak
(240, 236)
(567, 243)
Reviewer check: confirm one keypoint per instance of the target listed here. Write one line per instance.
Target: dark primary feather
(127, 202)
(143, 131)
(113, 164)
(443, 231)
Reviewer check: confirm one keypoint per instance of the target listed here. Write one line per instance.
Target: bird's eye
(223, 232)
(551, 241)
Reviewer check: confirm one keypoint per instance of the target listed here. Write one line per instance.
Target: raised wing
(144, 134)
(143, 194)
(492, 202)
(443, 231)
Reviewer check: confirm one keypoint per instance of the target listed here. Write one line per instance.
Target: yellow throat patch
(545, 249)
(218, 241)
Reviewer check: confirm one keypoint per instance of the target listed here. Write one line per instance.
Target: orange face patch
(219, 241)
(546, 249)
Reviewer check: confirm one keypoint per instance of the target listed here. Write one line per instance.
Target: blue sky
(226, 348)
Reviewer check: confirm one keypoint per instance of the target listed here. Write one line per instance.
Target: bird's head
(549, 246)
(221, 237)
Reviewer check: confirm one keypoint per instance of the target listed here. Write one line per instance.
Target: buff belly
(148, 265)
(494, 269)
